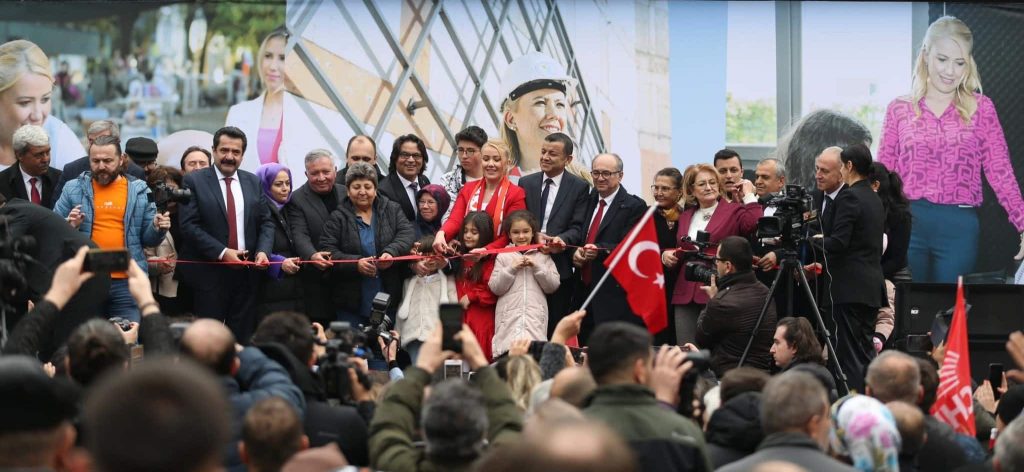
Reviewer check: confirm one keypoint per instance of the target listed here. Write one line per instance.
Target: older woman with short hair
(364, 232)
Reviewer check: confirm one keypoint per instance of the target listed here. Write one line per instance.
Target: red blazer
(514, 200)
(729, 219)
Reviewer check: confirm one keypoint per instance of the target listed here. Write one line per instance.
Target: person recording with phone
(852, 246)
(115, 211)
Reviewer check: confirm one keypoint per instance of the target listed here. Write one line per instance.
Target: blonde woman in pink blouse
(940, 140)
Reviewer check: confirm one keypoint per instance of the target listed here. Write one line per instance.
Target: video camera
(161, 195)
(792, 213)
(697, 270)
(333, 366)
(701, 361)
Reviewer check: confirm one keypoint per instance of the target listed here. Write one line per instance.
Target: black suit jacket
(306, 215)
(853, 246)
(619, 219)
(204, 221)
(75, 168)
(392, 187)
(568, 213)
(12, 185)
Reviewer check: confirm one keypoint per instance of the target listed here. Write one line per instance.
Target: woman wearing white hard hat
(535, 105)
(26, 90)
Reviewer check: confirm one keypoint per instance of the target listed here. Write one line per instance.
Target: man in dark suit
(308, 210)
(31, 177)
(75, 168)
(227, 219)
(559, 201)
(405, 173)
(852, 245)
(611, 214)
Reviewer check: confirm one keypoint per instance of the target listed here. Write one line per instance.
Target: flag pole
(618, 257)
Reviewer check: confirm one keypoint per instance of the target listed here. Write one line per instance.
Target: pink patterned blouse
(941, 159)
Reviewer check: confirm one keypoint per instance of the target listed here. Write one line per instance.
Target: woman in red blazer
(494, 194)
(705, 209)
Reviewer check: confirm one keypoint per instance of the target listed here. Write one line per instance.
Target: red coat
(729, 219)
(514, 200)
(480, 314)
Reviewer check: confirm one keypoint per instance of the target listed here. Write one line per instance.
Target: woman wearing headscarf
(282, 290)
(864, 432)
(433, 202)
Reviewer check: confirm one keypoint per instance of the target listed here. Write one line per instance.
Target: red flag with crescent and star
(642, 276)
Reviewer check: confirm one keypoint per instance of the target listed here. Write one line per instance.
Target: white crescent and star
(634, 254)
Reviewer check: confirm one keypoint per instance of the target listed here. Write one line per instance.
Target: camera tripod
(790, 264)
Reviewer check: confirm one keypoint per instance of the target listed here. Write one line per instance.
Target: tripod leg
(841, 383)
(760, 317)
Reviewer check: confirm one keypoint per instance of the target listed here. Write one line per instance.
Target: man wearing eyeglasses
(405, 173)
(611, 214)
(469, 167)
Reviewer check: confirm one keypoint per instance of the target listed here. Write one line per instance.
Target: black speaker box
(996, 311)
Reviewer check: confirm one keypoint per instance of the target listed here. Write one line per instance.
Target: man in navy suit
(227, 220)
(611, 214)
(559, 201)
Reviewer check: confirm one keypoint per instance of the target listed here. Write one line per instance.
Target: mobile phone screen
(995, 377)
(940, 328)
(451, 324)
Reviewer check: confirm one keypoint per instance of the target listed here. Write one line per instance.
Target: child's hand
(524, 262)
(464, 301)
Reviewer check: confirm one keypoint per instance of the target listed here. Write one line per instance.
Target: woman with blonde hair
(26, 93)
(494, 194)
(940, 140)
(704, 209)
(523, 374)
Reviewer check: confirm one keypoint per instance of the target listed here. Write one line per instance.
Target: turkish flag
(953, 403)
(641, 275)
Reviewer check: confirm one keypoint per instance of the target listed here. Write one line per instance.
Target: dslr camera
(333, 366)
(792, 213)
(161, 195)
(697, 268)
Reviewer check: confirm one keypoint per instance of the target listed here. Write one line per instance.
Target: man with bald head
(611, 214)
(573, 385)
(361, 148)
(247, 374)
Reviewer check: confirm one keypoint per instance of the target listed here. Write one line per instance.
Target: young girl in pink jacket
(521, 280)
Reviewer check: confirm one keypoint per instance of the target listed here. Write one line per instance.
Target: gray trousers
(686, 322)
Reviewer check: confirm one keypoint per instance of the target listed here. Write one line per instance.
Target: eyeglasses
(427, 203)
(662, 189)
(410, 155)
(467, 151)
(598, 174)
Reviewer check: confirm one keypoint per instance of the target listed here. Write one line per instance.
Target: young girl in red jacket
(472, 277)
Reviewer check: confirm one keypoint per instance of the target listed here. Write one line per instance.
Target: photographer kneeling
(735, 299)
(457, 420)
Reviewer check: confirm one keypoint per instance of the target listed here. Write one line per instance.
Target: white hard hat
(533, 71)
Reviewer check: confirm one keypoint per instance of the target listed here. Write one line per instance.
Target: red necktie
(35, 191)
(232, 226)
(592, 236)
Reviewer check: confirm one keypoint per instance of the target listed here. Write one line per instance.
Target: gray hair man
(31, 178)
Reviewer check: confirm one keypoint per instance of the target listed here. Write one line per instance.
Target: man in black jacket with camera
(735, 300)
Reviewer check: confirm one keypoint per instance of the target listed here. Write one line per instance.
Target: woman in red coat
(706, 210)
(493, 194)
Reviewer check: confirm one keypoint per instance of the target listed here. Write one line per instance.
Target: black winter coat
(734, 430)
(394, 235)
(725, 325)
(285, 293)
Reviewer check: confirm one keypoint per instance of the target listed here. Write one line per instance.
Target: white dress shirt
(28, 186)
(607, 204)
(832, 195)
(550, 204)
(410, 192)
(236, 191)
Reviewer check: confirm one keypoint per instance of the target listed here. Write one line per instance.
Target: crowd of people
(254, 326)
